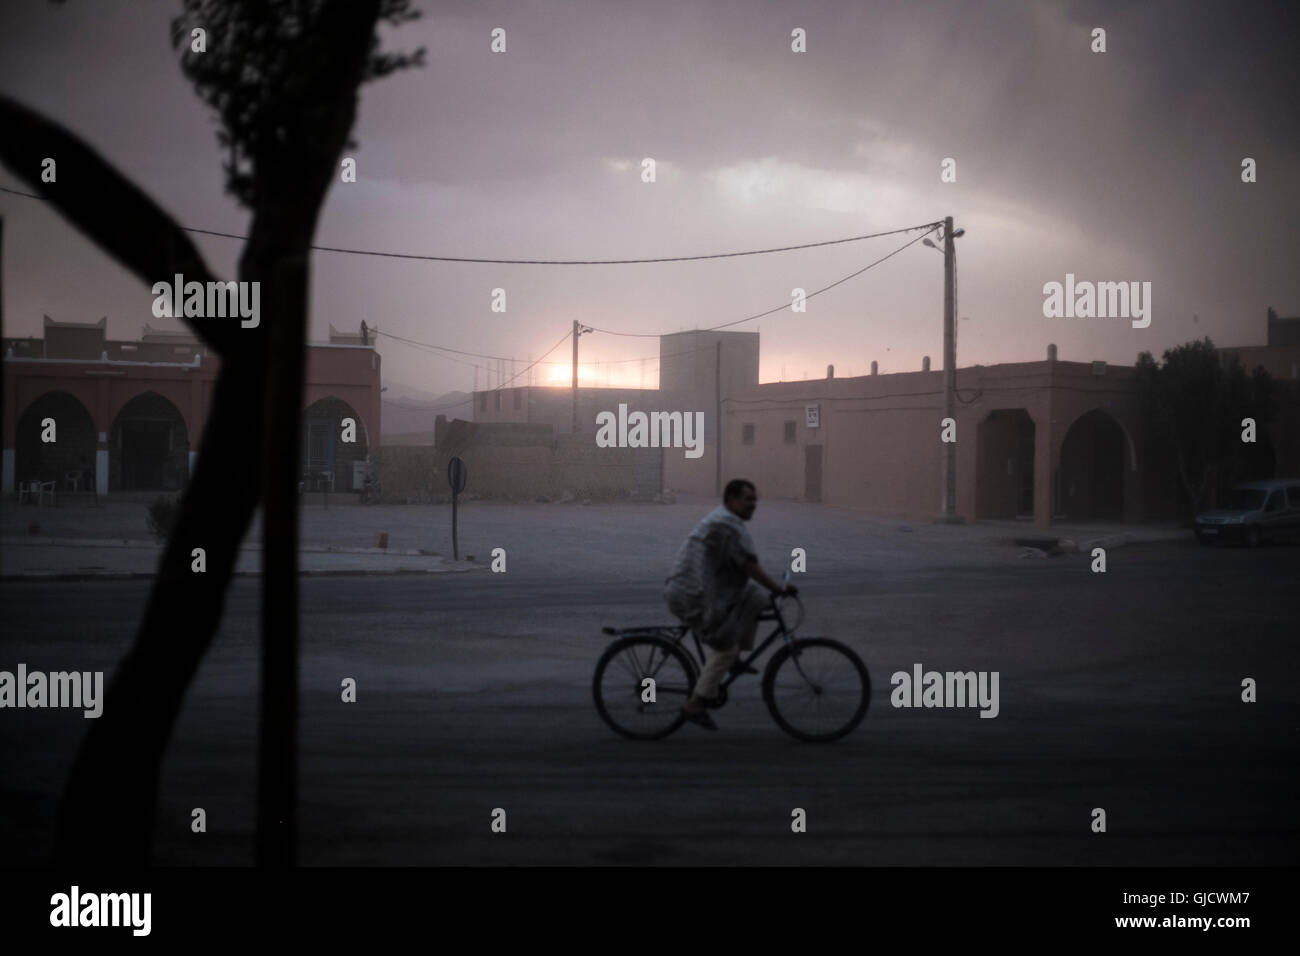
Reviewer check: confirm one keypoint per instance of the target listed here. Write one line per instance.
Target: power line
(724, 325)
(539, 262)
(428, 349)
(785, 305)
(531, 364)
(443, 348)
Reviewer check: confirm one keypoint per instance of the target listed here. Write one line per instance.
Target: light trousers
(739, 631)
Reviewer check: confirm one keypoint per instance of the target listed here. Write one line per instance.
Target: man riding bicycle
(710, 590)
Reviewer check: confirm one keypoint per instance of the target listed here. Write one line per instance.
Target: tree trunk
(108, 807)
(281, 447)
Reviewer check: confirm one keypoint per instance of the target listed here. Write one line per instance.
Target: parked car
(1257, 511)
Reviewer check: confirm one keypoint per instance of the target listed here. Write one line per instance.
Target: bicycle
(818, 673)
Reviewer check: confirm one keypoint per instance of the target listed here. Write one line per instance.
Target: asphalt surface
(1118, 690)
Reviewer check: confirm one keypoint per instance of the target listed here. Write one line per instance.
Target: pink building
(1042, 440)
(128, 416)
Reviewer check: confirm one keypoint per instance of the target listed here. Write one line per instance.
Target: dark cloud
(1123, 165)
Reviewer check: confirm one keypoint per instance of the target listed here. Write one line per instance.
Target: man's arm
(762, 577)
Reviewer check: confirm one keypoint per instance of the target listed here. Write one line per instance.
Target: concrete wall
(518, 461)
(536, 405)
(1280, 361)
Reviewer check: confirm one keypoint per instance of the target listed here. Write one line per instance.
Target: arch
(148, 446)
(323, 449)
(123, 392)
(1004, 464)
(70, 459)
(1090, 473)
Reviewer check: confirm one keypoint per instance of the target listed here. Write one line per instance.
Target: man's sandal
(703, 718)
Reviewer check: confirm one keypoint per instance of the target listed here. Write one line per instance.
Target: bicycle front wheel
(640, 686)
(816, 689)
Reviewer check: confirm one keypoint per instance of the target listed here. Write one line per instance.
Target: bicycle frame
(677, 633)
(774, 614)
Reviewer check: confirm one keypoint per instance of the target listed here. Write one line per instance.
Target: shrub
(162, 516)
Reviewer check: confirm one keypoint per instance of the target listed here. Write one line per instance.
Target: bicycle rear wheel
(619, 689)
(816, 689)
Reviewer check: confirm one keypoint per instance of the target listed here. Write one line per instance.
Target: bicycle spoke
(620, 701)
(818, 691)
(627, 660)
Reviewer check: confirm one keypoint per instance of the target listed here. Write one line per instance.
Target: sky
(1117, 166)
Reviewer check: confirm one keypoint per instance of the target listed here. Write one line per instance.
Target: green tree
(1193, 403)
(283, 77)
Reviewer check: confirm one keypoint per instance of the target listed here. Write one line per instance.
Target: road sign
(455, 478)
(456, 475)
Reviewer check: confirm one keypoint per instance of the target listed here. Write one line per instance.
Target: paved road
(1119, 691)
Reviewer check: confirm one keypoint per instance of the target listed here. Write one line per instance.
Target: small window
(482, 401)
(789, 433)
(519, 399)
(748, 435)
(496, 403)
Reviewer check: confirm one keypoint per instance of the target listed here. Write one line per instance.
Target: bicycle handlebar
(777, 596)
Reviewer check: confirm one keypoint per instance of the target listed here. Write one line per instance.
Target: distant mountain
(408, 410)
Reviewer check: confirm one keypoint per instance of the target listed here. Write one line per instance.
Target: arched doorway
(1090, 481)
(325, 448)
(69, 460)
(148, 449)
(1004, 471)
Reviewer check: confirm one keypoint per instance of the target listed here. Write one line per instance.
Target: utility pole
(577, 331)
(575, 376)
(949, 512)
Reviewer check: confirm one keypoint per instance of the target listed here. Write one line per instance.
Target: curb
(140, 575)
(29, 541)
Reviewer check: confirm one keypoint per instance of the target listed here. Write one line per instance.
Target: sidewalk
(82, 539)
(75, 559)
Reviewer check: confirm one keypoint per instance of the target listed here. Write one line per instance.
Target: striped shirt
(709, 573)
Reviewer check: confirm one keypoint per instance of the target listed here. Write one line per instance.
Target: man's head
(740, 498)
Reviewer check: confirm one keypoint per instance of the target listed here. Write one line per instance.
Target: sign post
(455, 478)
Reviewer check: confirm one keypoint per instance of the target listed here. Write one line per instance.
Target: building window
(748, 435)
(482, 401)
(496, 403)
(789, 433)
(519, 399)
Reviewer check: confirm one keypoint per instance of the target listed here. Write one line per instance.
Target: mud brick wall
(519, 462)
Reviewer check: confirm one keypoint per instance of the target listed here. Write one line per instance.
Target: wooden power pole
(949, 513)
(578, 329)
